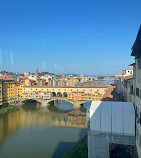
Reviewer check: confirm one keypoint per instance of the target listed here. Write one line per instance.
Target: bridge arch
(59, 94)
(61, 99)
(31, 99)
(53, 94)
(65, 94)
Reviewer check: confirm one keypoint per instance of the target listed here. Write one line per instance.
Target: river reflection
(41, 132)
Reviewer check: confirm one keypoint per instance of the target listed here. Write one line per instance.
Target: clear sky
(68, 36)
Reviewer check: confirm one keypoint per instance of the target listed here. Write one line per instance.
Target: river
(34, 132)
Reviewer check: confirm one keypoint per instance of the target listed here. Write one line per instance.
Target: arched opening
(31, 104)
(59, 94)
(31, 101)
(65, 94)
(53, 94)
(61, 105)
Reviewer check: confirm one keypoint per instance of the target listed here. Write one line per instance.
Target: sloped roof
(126, 77)
(136, 49)
(109, 95)
(112, 117)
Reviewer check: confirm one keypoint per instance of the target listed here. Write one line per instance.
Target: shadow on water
(62, 105)
(39, 132)
(31, 105)
(64, 148)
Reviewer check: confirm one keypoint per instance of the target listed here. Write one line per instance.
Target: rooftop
(112, 117)
(109, 95)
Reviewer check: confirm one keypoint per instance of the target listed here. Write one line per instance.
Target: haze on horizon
(64, 37)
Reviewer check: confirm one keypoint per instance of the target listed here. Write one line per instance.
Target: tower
(36, 71)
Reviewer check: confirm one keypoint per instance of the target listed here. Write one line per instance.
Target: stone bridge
(76, 103)
(59, 93)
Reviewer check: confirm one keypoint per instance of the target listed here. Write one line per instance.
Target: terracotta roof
(6, 79)
(127, 77)
(22, 78)
(109, 95)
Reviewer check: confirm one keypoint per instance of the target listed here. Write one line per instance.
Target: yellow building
(84, 96)
(71, 82)
(0, 92)
(96, 96)
(44, 95)
(8, 90)
(75, 95)
(18, 92)
(27, 82)
(11, 91)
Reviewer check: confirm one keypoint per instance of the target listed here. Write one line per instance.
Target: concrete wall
(99, 143)
(138, 105)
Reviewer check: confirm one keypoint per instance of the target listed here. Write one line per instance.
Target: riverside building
(136, 52)
(0, 92)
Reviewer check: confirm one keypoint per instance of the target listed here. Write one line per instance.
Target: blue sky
(68, 36)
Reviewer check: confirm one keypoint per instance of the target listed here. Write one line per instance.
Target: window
(137, 92)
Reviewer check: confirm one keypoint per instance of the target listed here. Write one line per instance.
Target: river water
(34, 132)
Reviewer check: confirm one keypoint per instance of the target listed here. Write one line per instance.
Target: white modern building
(112, 127)
(127, 72)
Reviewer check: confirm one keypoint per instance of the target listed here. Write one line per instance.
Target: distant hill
(10, 73)
(46, 73)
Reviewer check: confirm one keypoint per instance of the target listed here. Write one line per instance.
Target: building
(128, 89)
(0, 92)
(18, 92)
(127, 72)
(124, 87)
(44, 95)
(36, 93)
(111, 132)
(75, 95)
(110, 94)
(128, 86)
(136, 52)
(8, 90)
(26, 74)
(29, 82)
(36, 72)
(11, 91)
(85, 96)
